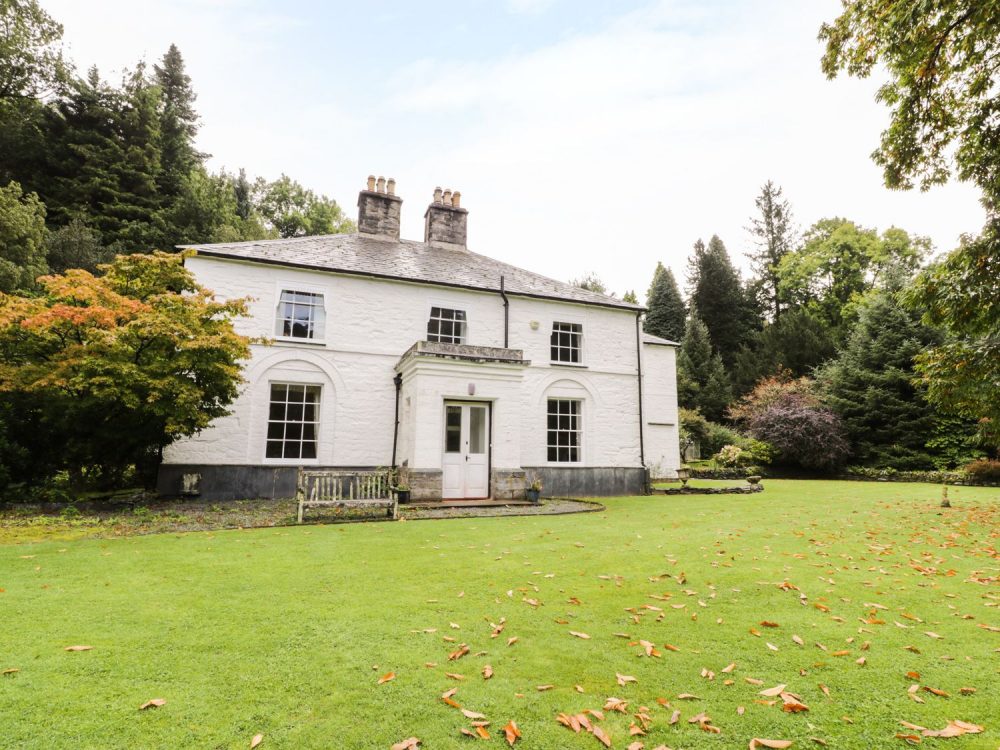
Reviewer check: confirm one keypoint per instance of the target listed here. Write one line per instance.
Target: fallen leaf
(512, 640)
(454, 676)
(601, 735)
(449, 693)
(775, 744)
(729, 668)
(773, 692)
(386, 677)
(512, 733)
(624, 679)
(154, 703)
(78, 648)
(472, 714)
(257, 739)
(580, 635)
(487, 672)
(410, 743)
(543, 688)
(13, 670)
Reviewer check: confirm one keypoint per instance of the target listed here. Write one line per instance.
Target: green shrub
(984, 470)
(718, 436)
(732, 455)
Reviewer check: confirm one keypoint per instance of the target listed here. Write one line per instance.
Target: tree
(666, 308)
(293, 211)
(870, 385)
(22, 238)
(591, 282)
(178, 121)
(717, 292)
(76, 246)
(789, 415)
(122, 364)
(702, 382)
(941, 89)
(31, 62)
(774, 236)
(799, 341)
(839, 262)
(630, 296)
(961, 293)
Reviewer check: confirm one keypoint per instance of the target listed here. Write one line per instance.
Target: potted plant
(402, 491)
(534, 489)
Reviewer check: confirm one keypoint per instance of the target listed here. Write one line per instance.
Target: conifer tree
(871, 385)
(702, 380)
(717, 292)
(774, 236)
(666, 308)
(178, 121)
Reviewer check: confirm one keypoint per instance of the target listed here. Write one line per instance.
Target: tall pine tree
(716, 290)
(666, 308)
(871, 385)
(178, 122)
(702, 382)
(774, 236)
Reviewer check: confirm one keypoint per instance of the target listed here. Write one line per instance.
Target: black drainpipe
(638, 361)
(506, 315)
(398, 380)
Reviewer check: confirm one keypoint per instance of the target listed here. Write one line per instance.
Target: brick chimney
(445, 221)
(379, 208)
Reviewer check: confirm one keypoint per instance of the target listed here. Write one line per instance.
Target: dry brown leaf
(769, 624)
(931, 634)
(454, 676)
(512, 640)
(487, 672)
(637, 745)
(601, 735)
(481, 731)
(78, 648)
(773, 692)
(511, 732)
(774, 744)
(687, 697)
(386, 677)
(257, 739)
(729, 668)
(967, 690)
(12, 670)
(624, 679)
(153, 703)
(458, 653)
(543, 688)
(472, 714)
(799, 641)
(675, 717)
(584, 636)
(449, 693)
(912, 739)
(935, 691)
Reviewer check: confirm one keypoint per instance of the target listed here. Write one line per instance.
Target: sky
(584, 136)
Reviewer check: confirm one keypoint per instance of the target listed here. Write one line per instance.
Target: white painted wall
(659, 385)
(370, 323)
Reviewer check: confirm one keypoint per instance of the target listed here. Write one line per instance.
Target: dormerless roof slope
(371, 255)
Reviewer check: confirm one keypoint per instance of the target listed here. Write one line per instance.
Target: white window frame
(442, 308)
(318, 422)
(578, 325)
(578, 431)
(291, 285)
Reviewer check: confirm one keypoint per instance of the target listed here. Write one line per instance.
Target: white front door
(466, 460)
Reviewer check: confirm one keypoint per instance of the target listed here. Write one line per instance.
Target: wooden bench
(345, 489)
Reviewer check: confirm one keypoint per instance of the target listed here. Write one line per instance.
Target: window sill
(571, 365)
(291, 462)
(296, 340)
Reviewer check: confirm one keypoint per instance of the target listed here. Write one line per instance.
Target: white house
(470, 375)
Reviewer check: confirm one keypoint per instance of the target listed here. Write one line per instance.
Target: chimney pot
(371, 182)
(437, 195)
(380, 185)
(447, 197)
(390, 186)
(456, 199)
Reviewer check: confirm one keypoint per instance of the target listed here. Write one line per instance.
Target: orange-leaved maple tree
(117, 366)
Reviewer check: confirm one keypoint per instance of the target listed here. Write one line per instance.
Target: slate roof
(369, 255)
(648, 338)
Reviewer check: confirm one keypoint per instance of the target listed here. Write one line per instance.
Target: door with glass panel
(466, 460)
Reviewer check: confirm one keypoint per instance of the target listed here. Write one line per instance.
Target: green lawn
(285, 631)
